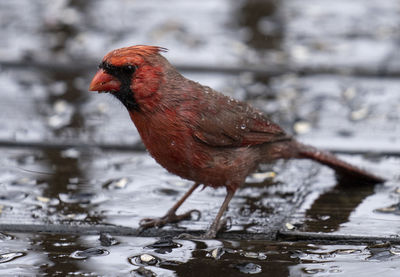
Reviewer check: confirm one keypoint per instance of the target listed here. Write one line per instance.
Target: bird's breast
(171, 143)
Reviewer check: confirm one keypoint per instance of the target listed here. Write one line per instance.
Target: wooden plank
(338, 112)
(181, 26)
(50, 187)
(346, 35)
(349, 34)
(342, 113)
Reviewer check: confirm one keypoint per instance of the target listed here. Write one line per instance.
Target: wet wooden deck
(72, 163)
(323, 91)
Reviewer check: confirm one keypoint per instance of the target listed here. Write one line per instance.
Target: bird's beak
(103, 82)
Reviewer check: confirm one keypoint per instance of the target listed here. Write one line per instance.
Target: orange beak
(103, 82)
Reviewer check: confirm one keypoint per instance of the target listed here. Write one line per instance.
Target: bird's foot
(211, 233)
(168, 218)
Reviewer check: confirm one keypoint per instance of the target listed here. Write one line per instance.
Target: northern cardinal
(196, 132)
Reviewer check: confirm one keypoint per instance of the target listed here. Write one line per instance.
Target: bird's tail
(342, 168)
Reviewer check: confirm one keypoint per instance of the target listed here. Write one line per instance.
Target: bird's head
(132, 74)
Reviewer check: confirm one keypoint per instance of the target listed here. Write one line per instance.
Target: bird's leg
(171, 215)
(217, 224)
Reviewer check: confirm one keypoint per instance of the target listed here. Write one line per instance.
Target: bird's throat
(127, 98)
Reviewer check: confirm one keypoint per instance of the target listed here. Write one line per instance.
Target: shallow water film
(75, 179)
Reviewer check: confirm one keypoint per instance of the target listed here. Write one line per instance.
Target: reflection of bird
(196, 132)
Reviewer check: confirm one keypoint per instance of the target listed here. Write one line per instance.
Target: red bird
(196, 132)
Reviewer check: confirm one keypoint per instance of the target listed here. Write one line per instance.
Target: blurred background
(327, 71)
(255, 50)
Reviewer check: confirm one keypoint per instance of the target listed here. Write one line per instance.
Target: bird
(197, 133)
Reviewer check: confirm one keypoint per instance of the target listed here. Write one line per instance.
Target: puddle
(351, 210)
(61, 255)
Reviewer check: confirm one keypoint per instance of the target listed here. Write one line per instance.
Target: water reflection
(334, 207)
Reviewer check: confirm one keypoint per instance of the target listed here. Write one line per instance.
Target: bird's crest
(132, 55)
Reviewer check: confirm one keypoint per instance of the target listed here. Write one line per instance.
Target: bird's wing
(226, 122)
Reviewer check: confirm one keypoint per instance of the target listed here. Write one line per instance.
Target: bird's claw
(168, 218)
